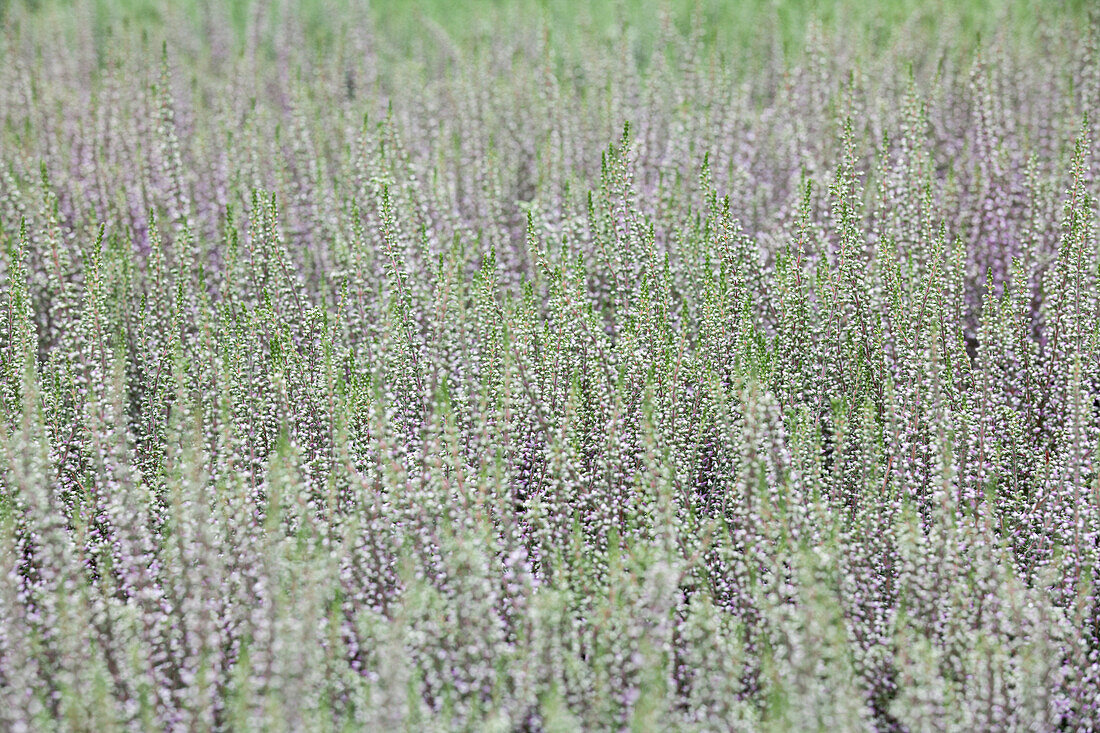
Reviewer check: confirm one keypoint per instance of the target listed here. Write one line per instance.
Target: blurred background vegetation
(738, 31)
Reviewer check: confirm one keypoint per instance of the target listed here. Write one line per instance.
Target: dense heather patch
(503, 387)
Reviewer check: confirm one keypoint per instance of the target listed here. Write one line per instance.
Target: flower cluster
(492, 382)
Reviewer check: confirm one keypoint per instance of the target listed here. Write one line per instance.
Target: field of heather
(657, 365)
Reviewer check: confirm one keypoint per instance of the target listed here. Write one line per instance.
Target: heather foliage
(547, 379)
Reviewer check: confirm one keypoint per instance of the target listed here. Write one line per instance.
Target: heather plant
(437, 370)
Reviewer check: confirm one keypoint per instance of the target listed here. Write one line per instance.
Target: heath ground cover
(536, 366)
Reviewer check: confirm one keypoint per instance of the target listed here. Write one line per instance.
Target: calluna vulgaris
(507, 384)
